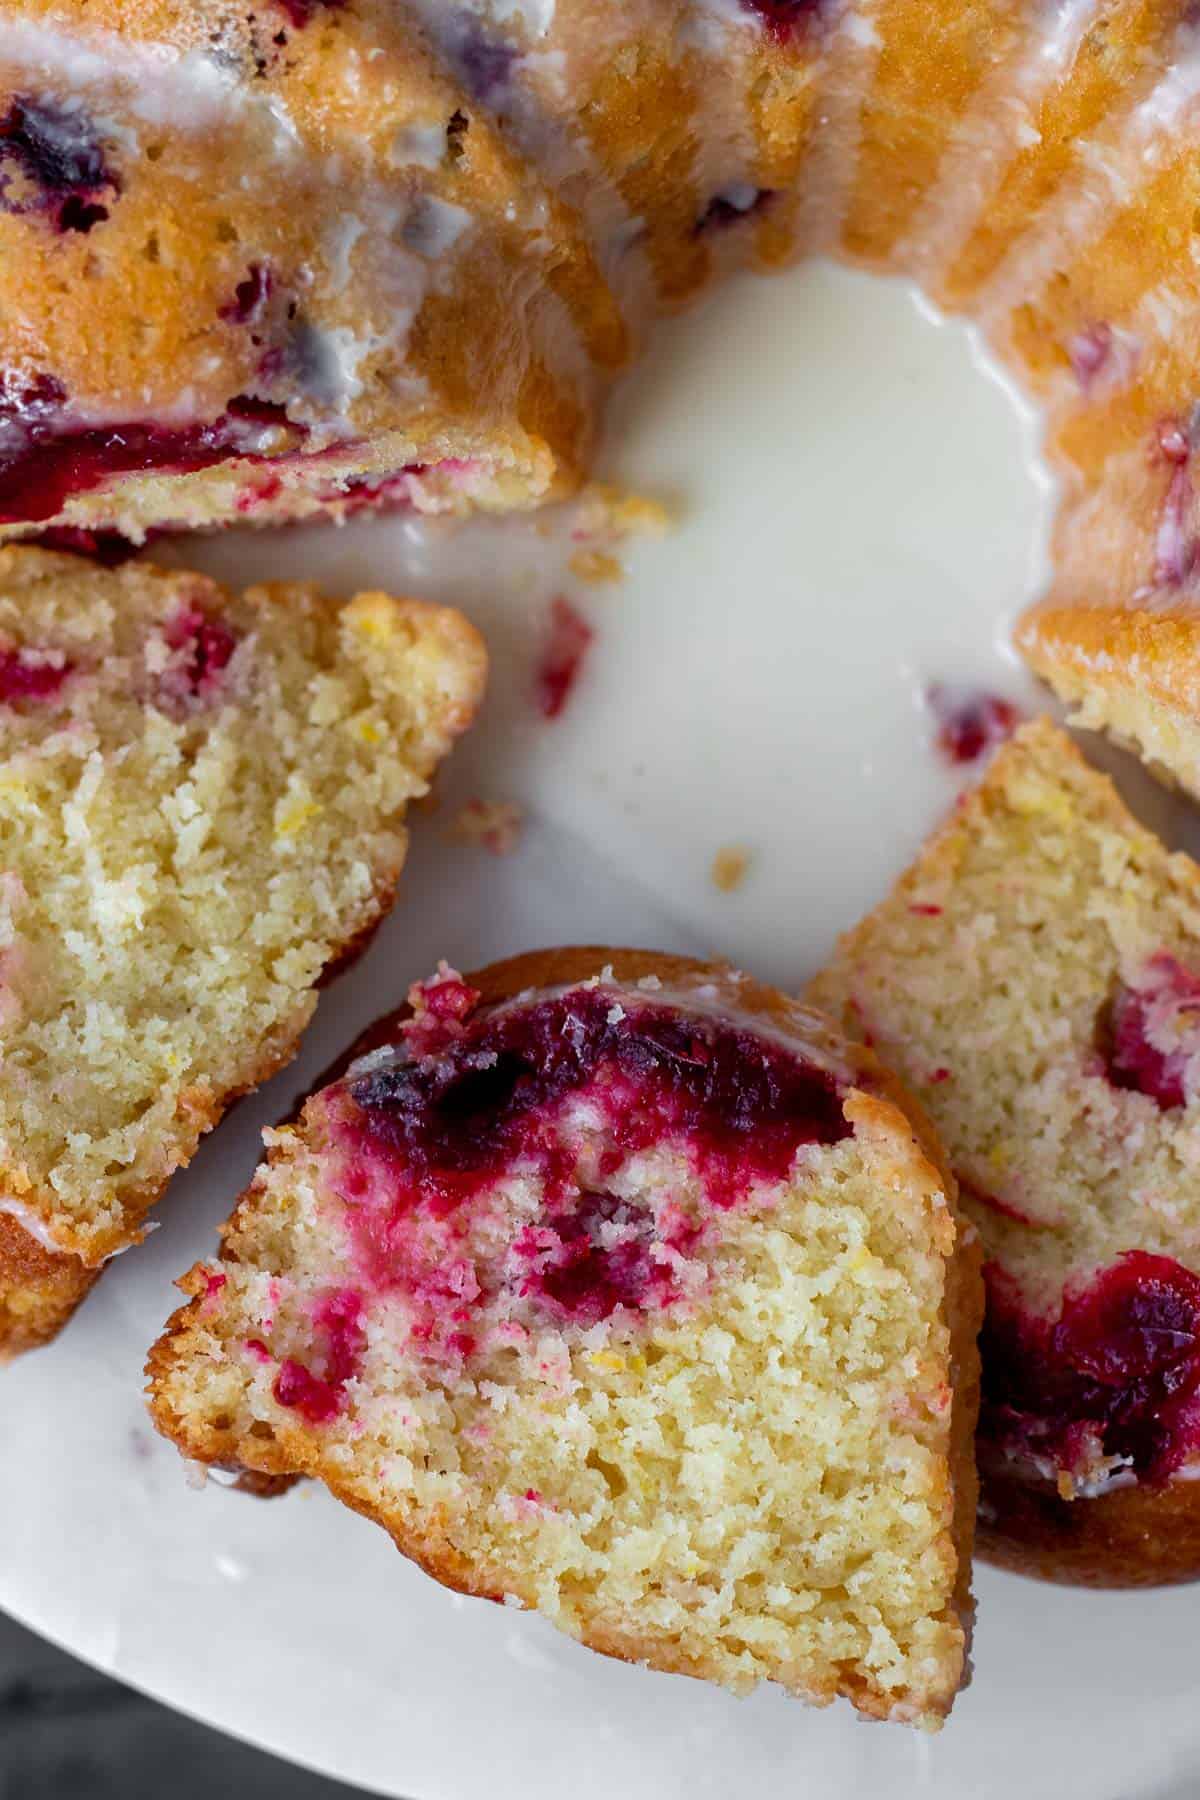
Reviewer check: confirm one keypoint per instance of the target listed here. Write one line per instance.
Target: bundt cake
(1035, 978)
(618, 1286)
(268, 258)
(200, 814)
(262, 259)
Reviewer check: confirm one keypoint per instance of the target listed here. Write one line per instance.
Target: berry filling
(969, 721)
(565, 1091)
(598, 1256)
(562, 1091)
(783, 19)
(51, 162)
(562, 658)
(45, 461)
(108, 548)
(317, 1394)
(301, 12)
(741, 1104)
(250, 297)
(200, 650)
(1111, 1385)
(26, 675)
(1152, 1032)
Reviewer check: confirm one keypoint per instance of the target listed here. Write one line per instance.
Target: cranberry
(1118, 1372)
(1089, 353)
(1175, 544)
(340, 1340)
(202, 648)
(23, 677)
(250, 297)
(108, 548)
(51, 162)
(562, 658)
(969, 722)
(301, 12)
(597, 1257)
(1166, 1004)
(783, 18)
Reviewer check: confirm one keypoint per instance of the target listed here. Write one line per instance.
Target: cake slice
(618, 1286)
(201, 804)
(1131, 671)
(262, 260)
(1035, 978)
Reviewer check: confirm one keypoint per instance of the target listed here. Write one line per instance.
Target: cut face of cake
(1132, 672)
(1035, 978)
(264, 261)
(201, 805)
(617, 1286)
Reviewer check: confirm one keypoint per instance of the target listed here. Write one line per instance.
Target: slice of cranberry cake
(201, 805)
(261, 260)
(1035, 978)
(630, 1293)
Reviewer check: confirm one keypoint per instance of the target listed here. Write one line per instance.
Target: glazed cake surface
(635, 1299)
(262, 261)
(1035, 977)
(201, 806)
(269, 260)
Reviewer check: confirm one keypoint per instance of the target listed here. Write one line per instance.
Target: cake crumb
(596, 567)
(494, 825)
(729, 867)
(613, 512)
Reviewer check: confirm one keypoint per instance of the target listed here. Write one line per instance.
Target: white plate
(860, 516)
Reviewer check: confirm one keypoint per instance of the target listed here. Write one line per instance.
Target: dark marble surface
(67, 1733)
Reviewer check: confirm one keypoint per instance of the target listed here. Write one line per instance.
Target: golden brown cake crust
(39, 1289)
(877, 1102)
(1133, 1538)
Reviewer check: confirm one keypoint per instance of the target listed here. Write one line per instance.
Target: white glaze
(33, 1223)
